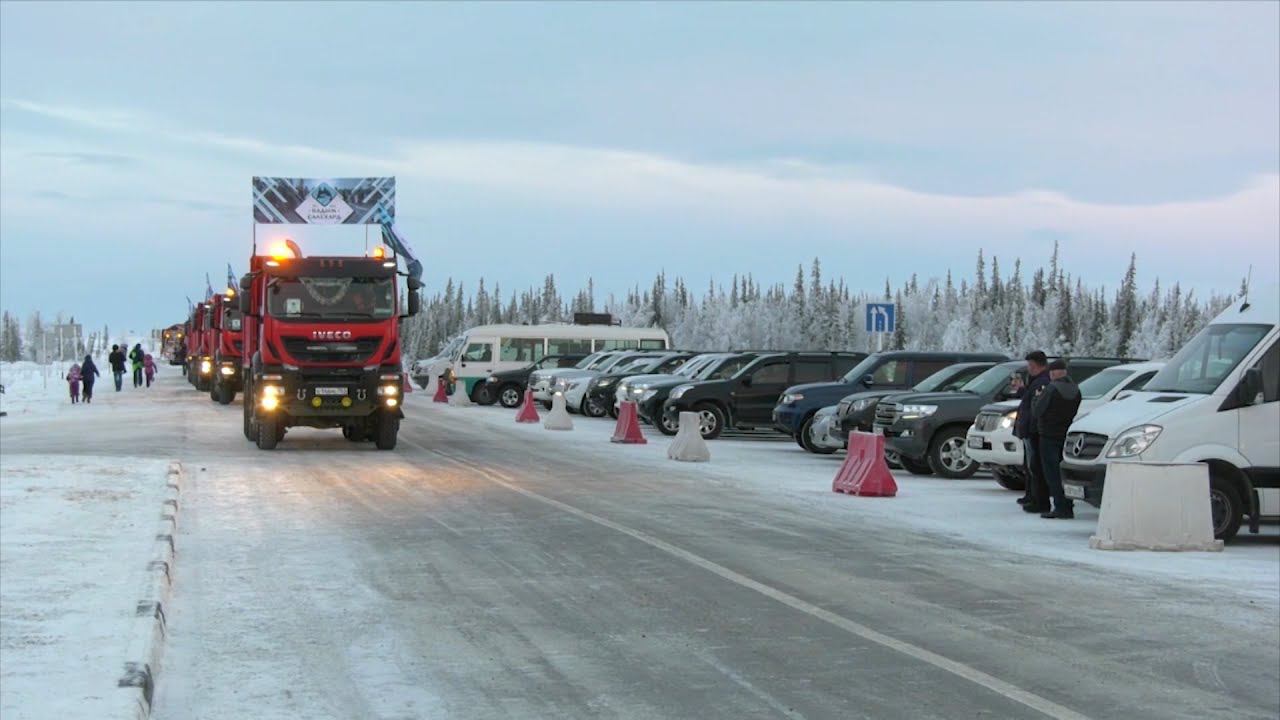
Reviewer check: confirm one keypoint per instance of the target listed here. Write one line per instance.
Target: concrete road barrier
(460, 398)
(558, 418)
(1156, 506)
(688, 445)
(865, 471)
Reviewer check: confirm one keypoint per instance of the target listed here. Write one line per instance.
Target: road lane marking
(1000, 687)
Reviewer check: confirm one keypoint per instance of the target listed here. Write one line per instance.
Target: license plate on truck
(331, 391)
(976, 441)
(1075, 492)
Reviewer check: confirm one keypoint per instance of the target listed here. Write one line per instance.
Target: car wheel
(668, 425)
(1009, 479)
(806, 440)
(710, 420)
(915, 467)
(592, 408)
(948, 456)
(1228, 510)
(510, 396)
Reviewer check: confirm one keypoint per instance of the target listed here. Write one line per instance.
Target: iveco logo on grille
(330, 334)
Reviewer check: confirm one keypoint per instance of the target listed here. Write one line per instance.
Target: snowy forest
(1004, 309)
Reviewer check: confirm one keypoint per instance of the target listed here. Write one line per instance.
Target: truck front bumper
(339, 396)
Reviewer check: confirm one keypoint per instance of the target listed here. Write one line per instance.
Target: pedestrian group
(1049, 401)
(80, 378)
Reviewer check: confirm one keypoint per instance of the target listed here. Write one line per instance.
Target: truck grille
(347, 351)
(987, 421)
(1084, 446)
(887, 413)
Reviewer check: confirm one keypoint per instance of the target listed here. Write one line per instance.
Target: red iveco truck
(322, 345)
(199, 358)
(226, 343)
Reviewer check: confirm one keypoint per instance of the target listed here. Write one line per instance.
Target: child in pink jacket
(149, 367)
(73, 382)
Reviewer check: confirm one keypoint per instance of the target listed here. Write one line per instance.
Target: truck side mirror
(415, 302)
(414, 284)
(246, 281)
(245, 306)
(1122, 394)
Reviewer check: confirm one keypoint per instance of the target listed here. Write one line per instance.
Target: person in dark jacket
(137, 357)
(1036, 497)
(1054, 410)
(88, 375)
(116, 360)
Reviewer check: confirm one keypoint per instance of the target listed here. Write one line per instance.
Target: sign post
(881, 320)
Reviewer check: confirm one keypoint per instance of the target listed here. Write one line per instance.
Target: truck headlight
(389, 390)
(206, 367)
(679, 391)
(791, 398)
(275, 390)
(918, 411)
(1134, 441)
(1008, 420)
(227, 370)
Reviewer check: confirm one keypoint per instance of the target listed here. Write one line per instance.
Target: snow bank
(75, 537)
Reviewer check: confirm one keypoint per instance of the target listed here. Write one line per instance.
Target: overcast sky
(617, 139)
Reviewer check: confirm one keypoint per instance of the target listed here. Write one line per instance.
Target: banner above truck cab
(331, 201)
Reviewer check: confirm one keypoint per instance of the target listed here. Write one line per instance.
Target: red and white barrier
(864, 471)
(527, 413)
(442, 395)
(628, 428)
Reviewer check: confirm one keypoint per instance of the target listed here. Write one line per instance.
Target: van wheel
(710, 420)
(510, 396)
(1226, 506)
(268, 434)
(806, 440)
(915, 467)
(948, 457)
(388, 428)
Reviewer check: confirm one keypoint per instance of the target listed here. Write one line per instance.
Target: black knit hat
(1037, 356)
(1058, 365)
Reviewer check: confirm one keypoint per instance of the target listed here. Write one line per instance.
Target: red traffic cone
(441, 395)
(527, 413)
(628, 428)
(864, 471)
(405, 383)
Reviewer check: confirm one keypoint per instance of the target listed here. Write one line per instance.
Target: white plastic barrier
(460, 398)
(688, 444)
(1155, 506)
(558, 418)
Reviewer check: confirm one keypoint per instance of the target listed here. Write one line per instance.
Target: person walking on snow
(136, 356)
(149, 368)
(88, 374)
(1054, 410)
(116, 360)
(73, 383)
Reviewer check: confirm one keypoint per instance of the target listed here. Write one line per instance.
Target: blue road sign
(880, 318)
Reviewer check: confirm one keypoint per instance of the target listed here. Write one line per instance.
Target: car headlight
(491, 379)
(792, 398)
(646, 395)
(574, 385)
(639, 391)
(678, 391)
(1008, 420)
(860, 405)
(1134, 441)
(606, 382)
(918, 411)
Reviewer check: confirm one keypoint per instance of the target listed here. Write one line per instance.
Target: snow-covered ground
(975, 511)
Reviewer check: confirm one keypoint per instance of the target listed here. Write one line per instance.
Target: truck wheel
(915, 467)
(948, 457)
(482, 395)
(1227, 508)
(250, 432)
(224, 394)
(268, 434)
(388, 427)
(710, 420)
(213, 393)
(510, 396)
(806, 440)
(1009, 479)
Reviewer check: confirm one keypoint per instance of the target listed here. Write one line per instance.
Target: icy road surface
(488, 570)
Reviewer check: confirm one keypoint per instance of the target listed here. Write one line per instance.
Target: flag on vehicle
(231, 277)
(208, 286)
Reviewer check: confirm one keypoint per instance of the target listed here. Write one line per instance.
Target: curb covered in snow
(146, 641)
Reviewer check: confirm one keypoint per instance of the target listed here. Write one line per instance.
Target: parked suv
(926, 431)
(888, 371)
(650, 393)
(507, 386)
(857, 412)
(600, 391)
(747, 399)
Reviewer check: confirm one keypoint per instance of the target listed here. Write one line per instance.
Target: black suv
(925, 432)
(650, 391)
(600, 391)
(747, 399)
(507, 387)
(896, 370)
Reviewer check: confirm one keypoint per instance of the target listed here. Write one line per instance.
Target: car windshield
(587, 361)
(636, 365)
(943, 380)
(1200, 366)
(727, 369)
(990, 381)
(331, 298)
(1103, 383)
(694, 366)
(608, 361)
(862, 369)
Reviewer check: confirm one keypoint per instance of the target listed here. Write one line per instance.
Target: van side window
(1270, 367)
(478, 352)
(653, 345)
(521, 349)
(561, 346)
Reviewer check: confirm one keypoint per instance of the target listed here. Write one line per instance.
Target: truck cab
(199, 357)
(1217, 401)
(322, 345)
(227, 344)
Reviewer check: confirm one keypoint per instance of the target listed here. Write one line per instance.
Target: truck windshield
(331, 298)
(1200, 366)
(231, 320)
(990, 381)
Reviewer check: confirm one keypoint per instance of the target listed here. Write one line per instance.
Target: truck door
(1259, 441)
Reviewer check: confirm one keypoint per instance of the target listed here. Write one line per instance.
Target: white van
(1217, 402)
(476, 354)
